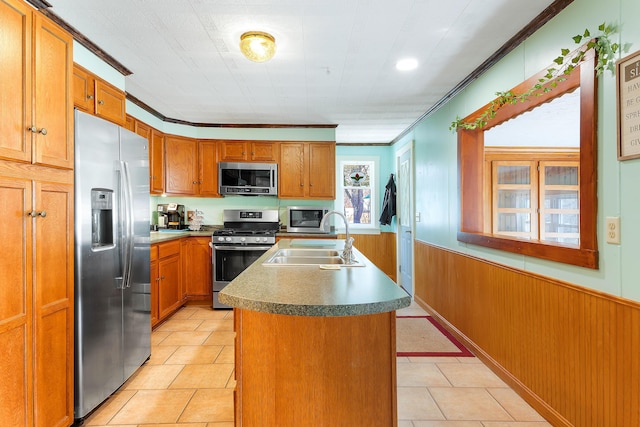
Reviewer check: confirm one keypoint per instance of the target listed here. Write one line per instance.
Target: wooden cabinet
(36, 198)
(36, 104)
(307, 170)
(190, 166)
(197, 268)
(36, 296)
(156, 155)
(154, 277)
(247, 151)
(169, 278)
(156, 162)
(96, 96)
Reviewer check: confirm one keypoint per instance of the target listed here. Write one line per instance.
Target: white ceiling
(334, 64)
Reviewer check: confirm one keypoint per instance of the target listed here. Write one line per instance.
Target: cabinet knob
(161, 277)
(89, 96)
(33, 129)
(301, 185)
(42, 214)
(195, 182)
(100, 102)
(42, 131)
(34, 214)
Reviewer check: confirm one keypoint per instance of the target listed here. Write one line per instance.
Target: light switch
(613, 230)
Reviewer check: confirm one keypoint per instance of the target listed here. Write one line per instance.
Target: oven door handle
(241, 248)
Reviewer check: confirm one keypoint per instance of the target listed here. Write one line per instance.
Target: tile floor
(188, 382)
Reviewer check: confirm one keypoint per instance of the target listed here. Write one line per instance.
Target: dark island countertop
(312, 291)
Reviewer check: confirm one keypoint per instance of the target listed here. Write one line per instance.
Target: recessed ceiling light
(407, 64)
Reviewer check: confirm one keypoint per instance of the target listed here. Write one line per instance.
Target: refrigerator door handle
(128, 234)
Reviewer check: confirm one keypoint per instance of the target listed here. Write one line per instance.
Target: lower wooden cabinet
(180, 272)
(197, 268)
(167, 274)
(36, 296)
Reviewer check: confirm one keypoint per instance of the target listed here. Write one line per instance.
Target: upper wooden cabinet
(307, 170)
(36, 104)
(190, 166)
(247, 151)
(96, 96)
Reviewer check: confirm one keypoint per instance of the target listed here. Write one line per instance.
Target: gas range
(231, 236)
(245, 227)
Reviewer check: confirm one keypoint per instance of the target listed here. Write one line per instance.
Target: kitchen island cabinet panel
(314, 381)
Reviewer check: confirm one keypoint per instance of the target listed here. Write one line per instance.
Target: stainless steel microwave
(250, 179)
(306, 219)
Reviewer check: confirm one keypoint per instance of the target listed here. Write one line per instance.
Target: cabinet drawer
(169, 248)
(153, 252)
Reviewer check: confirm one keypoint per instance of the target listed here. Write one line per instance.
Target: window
(357, 188)
(550, 212)
(535, 200)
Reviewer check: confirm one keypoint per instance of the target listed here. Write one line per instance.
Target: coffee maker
(171, 215)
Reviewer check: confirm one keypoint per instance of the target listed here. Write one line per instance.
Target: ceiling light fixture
(407, 64)
(257, 46)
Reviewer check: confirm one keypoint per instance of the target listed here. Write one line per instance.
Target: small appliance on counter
(306, 219)
(172, 216)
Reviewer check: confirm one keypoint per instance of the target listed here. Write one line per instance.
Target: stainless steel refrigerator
(112, 286)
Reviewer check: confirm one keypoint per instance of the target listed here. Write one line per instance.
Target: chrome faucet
(347, 251)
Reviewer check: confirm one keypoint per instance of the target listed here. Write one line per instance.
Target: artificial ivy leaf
(587, 33)
(559, 60)
(614, 47)
(565, 52)
(577, 39)
(601, 27)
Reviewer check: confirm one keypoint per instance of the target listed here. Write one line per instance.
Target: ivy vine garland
(567, 62)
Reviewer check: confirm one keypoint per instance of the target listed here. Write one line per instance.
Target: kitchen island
(314, 346)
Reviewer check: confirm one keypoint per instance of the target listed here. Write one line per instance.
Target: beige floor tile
(221, 338)
(203, 376)
(194, 355)
(516, 424)
(468, 403)
(207, 313)
(154, 406)
(515, 405)
(224, 325)
(175, 425)
(153, 377)
(446, 424)
(227, 355)
(470, 375)
(209, 405)
(184, 325)
(158, 336)
(420, 375)
(415, 403)
(413, 310)
(160, 354)
(405, 423)
(184, 313)
(443, 359)
(109, 408)
(186, 338)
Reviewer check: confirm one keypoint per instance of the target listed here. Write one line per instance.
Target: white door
(405, 218)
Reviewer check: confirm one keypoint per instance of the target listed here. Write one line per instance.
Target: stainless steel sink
(301, 257)
(307, 253)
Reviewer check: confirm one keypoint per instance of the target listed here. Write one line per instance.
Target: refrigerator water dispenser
(101, 218)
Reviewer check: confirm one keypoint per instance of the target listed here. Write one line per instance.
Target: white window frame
(374, 227)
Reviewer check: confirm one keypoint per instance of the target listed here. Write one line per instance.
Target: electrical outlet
(613, 230)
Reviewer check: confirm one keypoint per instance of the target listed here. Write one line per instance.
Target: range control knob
(228, 239)
(242, 239)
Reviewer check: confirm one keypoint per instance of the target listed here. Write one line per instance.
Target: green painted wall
(435, 156)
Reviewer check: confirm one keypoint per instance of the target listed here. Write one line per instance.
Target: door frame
(399, 154)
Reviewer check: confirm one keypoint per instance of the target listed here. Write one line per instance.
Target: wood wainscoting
(379, 248)
(571, 352)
